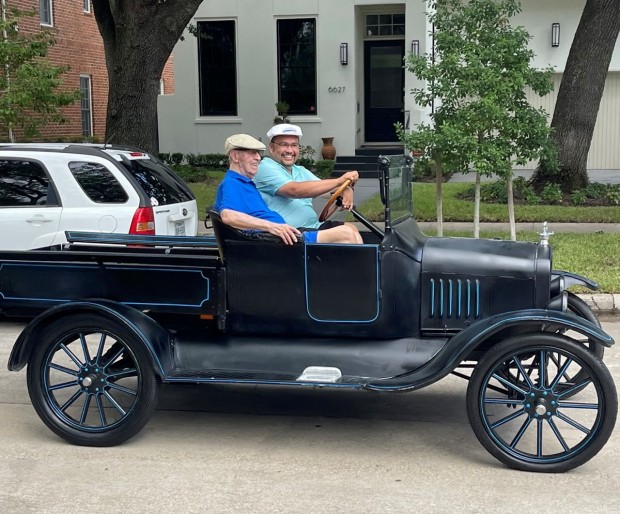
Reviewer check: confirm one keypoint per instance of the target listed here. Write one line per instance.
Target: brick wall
(78, 44)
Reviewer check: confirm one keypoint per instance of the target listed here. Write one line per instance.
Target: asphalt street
(270, 450)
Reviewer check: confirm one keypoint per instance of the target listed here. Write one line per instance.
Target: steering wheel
(331, 206)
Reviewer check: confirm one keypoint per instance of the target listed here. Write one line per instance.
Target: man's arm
(314, 188)
(244, 221)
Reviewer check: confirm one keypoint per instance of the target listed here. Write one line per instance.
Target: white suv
(46, 189)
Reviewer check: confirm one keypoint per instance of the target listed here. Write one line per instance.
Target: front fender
(154, 337)
(560, 280)
(462, 344)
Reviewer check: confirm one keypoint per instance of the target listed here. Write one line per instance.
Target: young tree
(138, 37)
(30, 94)
(580, 95)
(476, 81)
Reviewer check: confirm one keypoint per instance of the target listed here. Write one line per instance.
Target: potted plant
(282, 117)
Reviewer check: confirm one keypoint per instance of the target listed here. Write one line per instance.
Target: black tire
(527, 423)
(91, 381)
(580, 308)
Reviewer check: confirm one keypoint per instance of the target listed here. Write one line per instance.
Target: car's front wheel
(91, 382)
(521, 406)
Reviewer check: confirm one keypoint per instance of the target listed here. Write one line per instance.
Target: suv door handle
(38, 219)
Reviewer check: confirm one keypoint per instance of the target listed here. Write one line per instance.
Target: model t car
(119, 315)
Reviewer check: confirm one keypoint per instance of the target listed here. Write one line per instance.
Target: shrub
(176, 158)
(579, 197)
(552, 193)
(324, 168)
(424, 171)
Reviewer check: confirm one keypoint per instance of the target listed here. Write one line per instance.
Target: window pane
(217, 68)
(22, 184)
(85, 106)
(385, 19)
(157, 181)
(372, 19)
(399, 19)
(45, 11)
(385, 30)
(297, 65)
(98, 182)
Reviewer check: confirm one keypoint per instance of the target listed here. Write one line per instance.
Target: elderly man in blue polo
(240, 205)
(288, 188)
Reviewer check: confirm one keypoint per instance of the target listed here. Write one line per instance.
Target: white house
(338, 64)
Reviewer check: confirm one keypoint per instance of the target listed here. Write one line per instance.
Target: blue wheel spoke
(520, 433)
(101, 346)
(84, 348)
(539, 438)
(522, 371)
(561, 373)
(509, 384)
(122, 389)
(72, 356)
(132, 372)
(542, 368)
(85, 409)
(556, 431)
(70, 401)
(101, 409)
(114, 357)
(502, 401)
(115, 403)
(577, 387)
(64, 385)
(573, 423)
(512, 416)
(62, 369)
(578, 405)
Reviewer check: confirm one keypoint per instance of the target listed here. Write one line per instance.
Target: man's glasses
(294, 146)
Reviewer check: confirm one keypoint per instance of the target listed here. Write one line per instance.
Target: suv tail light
(143, 222)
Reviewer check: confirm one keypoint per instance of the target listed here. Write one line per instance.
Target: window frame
(312, 110)
(87, 6)
(50, 9)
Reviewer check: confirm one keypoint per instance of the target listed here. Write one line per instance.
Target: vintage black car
(119, 315)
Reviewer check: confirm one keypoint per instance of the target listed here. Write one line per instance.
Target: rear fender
(461, 345)
(154, 337)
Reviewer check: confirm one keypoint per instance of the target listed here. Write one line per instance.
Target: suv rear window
(98, 182)
(23, 184)
(158, 182)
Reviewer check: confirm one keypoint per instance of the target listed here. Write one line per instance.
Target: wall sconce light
(555, 34)
(344, 53)
(415, 47)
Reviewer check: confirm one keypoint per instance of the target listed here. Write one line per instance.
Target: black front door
(384, 85)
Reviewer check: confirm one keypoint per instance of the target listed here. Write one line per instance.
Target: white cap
(284, 129)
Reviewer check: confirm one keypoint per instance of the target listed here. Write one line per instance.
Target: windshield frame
(395, 180)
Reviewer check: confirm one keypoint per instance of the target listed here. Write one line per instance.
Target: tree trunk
(439, 196)
(138, 38)
(477, 207)
(511, 208)
(580, 95)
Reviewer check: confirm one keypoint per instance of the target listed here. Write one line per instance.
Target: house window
(385, 25)
(86, 106)
(45, 12)
(86, 5)
(297, 65)
(217, 68)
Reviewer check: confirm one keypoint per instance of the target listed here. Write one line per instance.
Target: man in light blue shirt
(289, 189)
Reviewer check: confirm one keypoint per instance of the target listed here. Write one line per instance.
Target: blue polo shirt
(239, 193)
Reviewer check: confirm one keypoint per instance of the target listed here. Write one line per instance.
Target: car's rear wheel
(519, 408)
(91, 382)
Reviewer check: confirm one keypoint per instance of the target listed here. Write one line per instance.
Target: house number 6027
(336, 89)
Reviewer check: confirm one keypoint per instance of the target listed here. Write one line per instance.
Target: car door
(30, 209)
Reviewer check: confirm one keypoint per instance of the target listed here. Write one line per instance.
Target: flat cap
(284, 129)
(243, 141)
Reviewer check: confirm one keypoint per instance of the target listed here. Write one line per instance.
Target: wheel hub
(92, 379)
(541, 403)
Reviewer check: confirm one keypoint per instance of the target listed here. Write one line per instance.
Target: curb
(602, 303)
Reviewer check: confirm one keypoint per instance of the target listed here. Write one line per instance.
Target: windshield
(397, 183)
